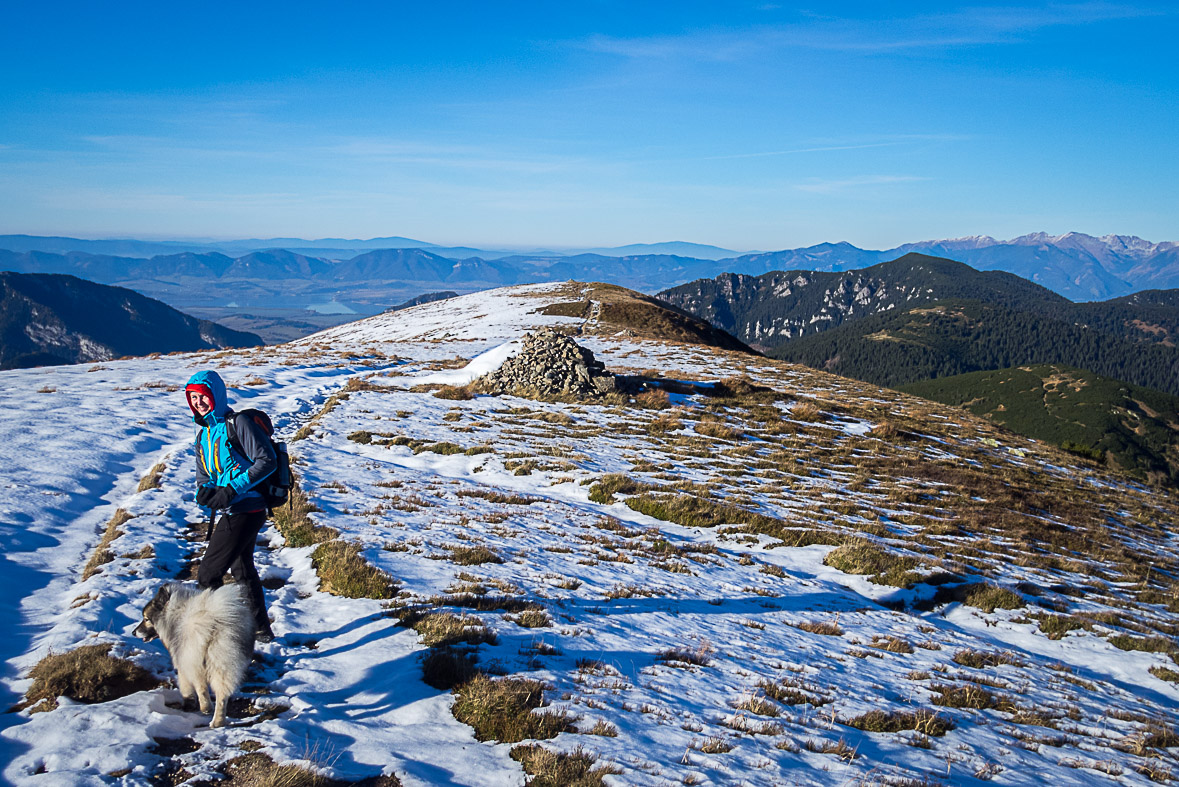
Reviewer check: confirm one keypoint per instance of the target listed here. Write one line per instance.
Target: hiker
(232, 458)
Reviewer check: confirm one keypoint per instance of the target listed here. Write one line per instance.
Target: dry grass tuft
(511, 499)
(258, 770)
(926, 722)
(560, 769)
(502, 710)
(989, 597)
(865, 557)
(533, 619)
(604, 489)
(445, 629)
(475, 555)
(343, 571)
(293, 522)
(455, 392)
(152, 479)
(829, 628)
(102, 553)
(966, 695)
(86, 674)
(979, 659)
(891, 644)
(700, 656)
(794, 692)
(653, 399)
(694, 511)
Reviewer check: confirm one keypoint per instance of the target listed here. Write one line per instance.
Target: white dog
(210, 636)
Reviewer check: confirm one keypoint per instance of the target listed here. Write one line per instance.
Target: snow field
(633, 600)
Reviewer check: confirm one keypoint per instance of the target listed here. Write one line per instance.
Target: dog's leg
(223, 685)
(187, 693)
(219, 710)
(202, 691)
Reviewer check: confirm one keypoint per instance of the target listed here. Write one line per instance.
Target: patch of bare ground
(102, 553)
(86, 674)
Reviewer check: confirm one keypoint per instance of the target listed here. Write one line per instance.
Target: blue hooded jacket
(219, 462)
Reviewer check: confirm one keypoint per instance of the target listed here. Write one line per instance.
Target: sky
(743, 125)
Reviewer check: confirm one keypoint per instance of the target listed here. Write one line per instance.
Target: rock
(549, 364)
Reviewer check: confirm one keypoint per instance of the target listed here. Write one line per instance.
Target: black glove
(215, 497)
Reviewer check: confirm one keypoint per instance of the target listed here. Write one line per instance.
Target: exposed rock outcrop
(549, 364)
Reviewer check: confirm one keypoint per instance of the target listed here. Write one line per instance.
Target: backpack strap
(231, 431)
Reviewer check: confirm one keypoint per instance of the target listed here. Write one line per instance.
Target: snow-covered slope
(680, 545)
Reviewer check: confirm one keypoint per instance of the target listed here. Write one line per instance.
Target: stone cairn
(549, 364)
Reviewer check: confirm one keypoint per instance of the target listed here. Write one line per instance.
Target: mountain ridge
(1079, 266)
(49, 319)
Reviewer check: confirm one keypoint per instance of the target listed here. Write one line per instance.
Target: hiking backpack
(276, 487)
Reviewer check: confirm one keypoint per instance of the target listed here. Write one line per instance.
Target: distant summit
(698, 251)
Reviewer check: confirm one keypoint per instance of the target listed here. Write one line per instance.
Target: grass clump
(500, 497)
(445, 629)
(926, 722)
(892, 644)
(560, 769)
(652, 399)
(86, 674)
(604, 489)
(1162, 673)
(693, 511)
(102, 553)
(502, 710)
(256, 769)
(1056, 626)
(979, 659)
(700, 656)
(883, 567)
(1144, 644)
(152, 479)
(966, 695)
(475, 555)
(718, 429)
(982, 595)
(444, 448)
(828, 628)
(293, 522)
(533, 619)
(989, 597)
(550, 768)
(793, 692)
(343, 571)
(455, 392)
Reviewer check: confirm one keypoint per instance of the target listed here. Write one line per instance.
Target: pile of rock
(549, 364)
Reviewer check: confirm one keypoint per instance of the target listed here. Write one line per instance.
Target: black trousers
(231, 547)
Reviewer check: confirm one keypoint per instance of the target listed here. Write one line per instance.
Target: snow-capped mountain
(731, 571)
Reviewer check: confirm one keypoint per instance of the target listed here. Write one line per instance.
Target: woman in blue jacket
(233, 456)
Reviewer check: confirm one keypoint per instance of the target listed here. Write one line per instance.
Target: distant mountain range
(48, 319)
(1080, 267)
(920, 317)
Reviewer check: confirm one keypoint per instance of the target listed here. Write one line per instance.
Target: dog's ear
(164, 594)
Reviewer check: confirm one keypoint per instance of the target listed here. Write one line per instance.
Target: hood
(212, 383)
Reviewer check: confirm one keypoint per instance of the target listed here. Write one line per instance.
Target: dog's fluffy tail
(217, 629)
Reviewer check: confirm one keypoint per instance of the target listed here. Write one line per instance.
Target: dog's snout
(145, 631)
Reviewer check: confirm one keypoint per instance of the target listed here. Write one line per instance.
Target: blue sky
(745, 125)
